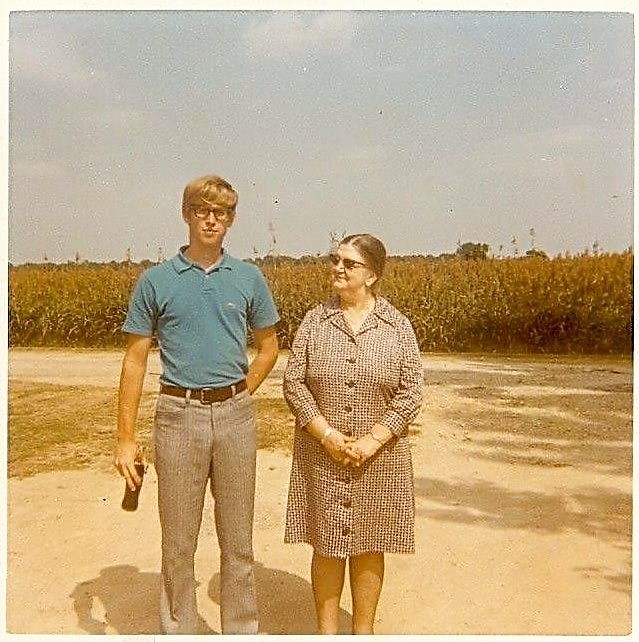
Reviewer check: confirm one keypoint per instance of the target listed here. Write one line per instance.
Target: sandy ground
(523, 500)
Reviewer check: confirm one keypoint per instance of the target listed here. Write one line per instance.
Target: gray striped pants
(194, 443)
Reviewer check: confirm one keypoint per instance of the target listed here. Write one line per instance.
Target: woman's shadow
(285, 602)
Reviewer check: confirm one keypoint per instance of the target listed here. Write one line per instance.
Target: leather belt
(204, 395)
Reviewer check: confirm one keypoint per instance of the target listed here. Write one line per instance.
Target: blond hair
(209, 190)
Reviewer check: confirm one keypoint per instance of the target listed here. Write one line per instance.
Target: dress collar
(382, 310)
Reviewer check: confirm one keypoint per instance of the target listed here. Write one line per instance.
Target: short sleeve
(142, 314)
(263, 312)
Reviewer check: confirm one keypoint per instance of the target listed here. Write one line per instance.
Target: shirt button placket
(351, 360)
(347, 501)
(347, 513)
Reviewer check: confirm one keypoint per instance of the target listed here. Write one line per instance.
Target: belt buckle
(201, 392)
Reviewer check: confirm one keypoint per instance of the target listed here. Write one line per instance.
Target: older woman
(354, 383)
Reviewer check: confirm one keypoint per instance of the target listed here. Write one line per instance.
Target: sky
(426, 128)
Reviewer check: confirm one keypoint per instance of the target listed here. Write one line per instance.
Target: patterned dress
(354, 381)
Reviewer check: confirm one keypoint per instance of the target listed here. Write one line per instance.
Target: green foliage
(69, 305)
(581, 304)
(473, 251)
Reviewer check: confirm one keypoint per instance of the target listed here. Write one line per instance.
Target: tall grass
(69, 305)
(581, 304)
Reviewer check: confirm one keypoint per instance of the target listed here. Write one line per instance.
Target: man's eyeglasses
(223, 216)
(348, 264)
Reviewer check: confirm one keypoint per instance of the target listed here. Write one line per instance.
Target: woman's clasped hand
(349, 451)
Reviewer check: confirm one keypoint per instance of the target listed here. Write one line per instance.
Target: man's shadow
(124, 600)
(121, 600)
(285, 602)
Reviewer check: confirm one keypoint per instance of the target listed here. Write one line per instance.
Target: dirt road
(523, 491)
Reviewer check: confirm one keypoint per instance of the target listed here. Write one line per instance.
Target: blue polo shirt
(201, 319)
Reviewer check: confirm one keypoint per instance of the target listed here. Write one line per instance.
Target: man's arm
(267, 349)
(131, 380)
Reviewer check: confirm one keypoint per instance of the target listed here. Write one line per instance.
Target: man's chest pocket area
(228, 306)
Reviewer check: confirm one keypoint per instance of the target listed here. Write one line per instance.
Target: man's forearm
(259, 368)
(131, 381)
(267, 351)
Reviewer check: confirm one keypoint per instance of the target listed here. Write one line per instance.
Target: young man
(199, 306)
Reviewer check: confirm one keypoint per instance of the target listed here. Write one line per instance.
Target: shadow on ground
(604, 513)
(285, 602)
(548, 414)
(124, 600)
(121, 599)
(600, 512)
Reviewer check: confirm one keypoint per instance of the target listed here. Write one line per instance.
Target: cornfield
(580, 304)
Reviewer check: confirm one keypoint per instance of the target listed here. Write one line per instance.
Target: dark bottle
(130, 499)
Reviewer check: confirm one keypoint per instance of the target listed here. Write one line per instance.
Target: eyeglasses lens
(205, 212)
(348, 264)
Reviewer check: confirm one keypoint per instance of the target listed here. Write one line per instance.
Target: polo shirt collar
(180, 263)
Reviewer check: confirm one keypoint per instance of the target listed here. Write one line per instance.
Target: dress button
(350, 384)
(348, 408)
(347, 503)
(346, 531)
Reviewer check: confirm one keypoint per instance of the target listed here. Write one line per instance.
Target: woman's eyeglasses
(348, 264)
(223, 216)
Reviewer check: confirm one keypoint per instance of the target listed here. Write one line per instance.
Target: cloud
(566, 139)
(38, 169)
(51, 58)
(354, 158)
(288, 32)
(124, 117)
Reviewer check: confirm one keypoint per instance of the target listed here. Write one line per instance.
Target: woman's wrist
(328, 431)
(380, 434)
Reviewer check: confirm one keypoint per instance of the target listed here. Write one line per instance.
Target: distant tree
(536, 253)
(472, 251)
